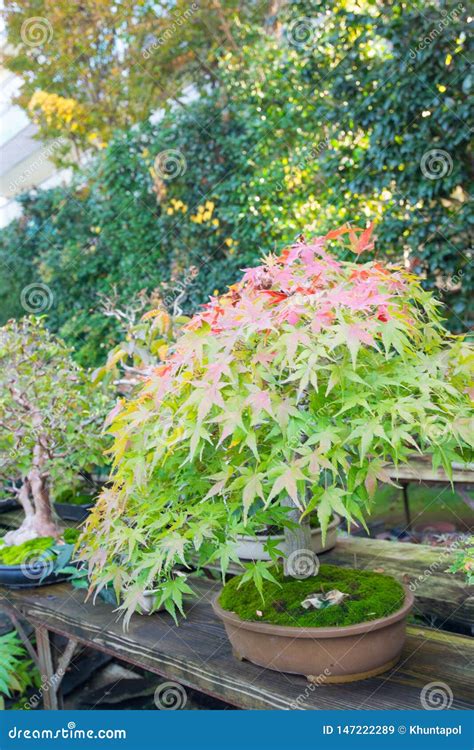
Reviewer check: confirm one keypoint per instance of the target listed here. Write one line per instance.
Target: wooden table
(198, 655)
(420, 470)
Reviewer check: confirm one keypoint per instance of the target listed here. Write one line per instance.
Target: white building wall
(24, 160)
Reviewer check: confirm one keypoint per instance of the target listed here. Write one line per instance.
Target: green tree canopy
(95, 66)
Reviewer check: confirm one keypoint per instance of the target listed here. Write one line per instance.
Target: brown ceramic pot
(324, 655)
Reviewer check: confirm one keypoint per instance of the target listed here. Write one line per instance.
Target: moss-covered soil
(370, 596)
(28, 551)
(35, 549)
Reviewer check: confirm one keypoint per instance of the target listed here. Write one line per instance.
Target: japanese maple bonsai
(282, 398)
(50, 418)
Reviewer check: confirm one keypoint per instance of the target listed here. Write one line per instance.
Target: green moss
(371, 595)
(71, 536)
(35, 548)
(28, 551)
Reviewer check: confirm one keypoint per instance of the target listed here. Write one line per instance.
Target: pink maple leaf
(361, 334)
(264, 358)
(259, 401)
(251, 311)
(323, 318)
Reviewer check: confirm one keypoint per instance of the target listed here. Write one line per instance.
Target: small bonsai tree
(285, 396)
(50, 421)
(147, 329)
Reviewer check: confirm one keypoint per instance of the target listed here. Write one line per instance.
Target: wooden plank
(197, 654)
(437, 593)
(421, 470)
(46, 667)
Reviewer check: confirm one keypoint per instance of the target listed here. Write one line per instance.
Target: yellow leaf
(112, 360)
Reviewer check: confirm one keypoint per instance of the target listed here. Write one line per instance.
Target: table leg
(46, 666)
(406, 505)
(57, 678)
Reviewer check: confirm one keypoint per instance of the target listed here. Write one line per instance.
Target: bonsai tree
(50, 420)
(282, 398)
(146, 331)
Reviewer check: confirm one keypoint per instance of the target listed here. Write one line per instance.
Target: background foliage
(17, 671)
(300, 115)
(107, 64)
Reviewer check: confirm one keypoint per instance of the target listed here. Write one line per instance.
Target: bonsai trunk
(35, 500)
(297, 540)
